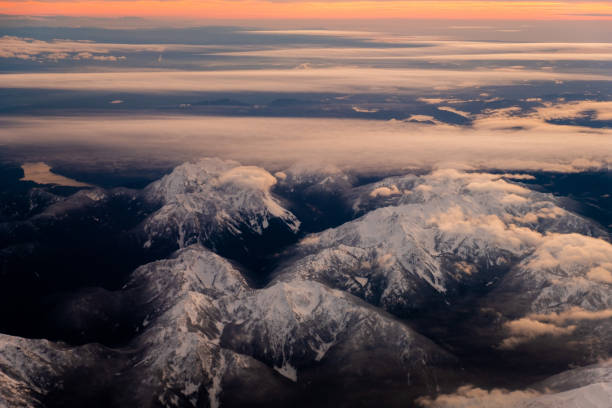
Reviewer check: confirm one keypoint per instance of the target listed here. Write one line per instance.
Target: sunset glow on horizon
(367, 9)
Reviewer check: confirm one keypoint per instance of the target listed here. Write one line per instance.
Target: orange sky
(247, 9)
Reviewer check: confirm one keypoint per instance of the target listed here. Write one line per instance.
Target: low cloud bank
(363, 145)
(469, 396)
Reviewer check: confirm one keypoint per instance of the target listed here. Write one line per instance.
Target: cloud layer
(493, 141)
(341, 80)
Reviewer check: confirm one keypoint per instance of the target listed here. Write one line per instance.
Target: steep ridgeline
(208, 338)
(447, 242)
(220, 204)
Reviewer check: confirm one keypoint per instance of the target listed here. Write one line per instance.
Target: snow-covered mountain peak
(192, 269)
(292, 324)
(436, 229)
(188, 177)
(480, 190)
(204, 200)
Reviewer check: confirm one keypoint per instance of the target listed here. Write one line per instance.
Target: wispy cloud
(341, 80)
(410, 48)
(38, 50)
(525, 329)
(469, 396)
(601, 110)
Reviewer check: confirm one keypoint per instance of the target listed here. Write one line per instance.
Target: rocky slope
(202, 328)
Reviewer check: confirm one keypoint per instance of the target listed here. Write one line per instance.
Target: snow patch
(287, 371)
(362, 281)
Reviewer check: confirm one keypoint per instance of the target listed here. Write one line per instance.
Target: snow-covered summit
(430, 232)
(212, 197)
(191, 269)
(202, 328)
(204, 316)
(291, 325)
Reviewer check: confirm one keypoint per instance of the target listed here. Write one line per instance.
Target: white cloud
(489, 228)
(601, 274)
(385, 191)
(280, 175)
(536, 325)
(513, 199)
(576, 109)
(437, 101)
(533, 217)
(518, 176)
(28, 48)
(469, 396)
(364, 110)
(497, 185)
(421, 119)
(571, 251)
(573, 314)
(526, 329)
(250, 177)
(108, 58)
(32, 49)
(455, 111)
(443, 50)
